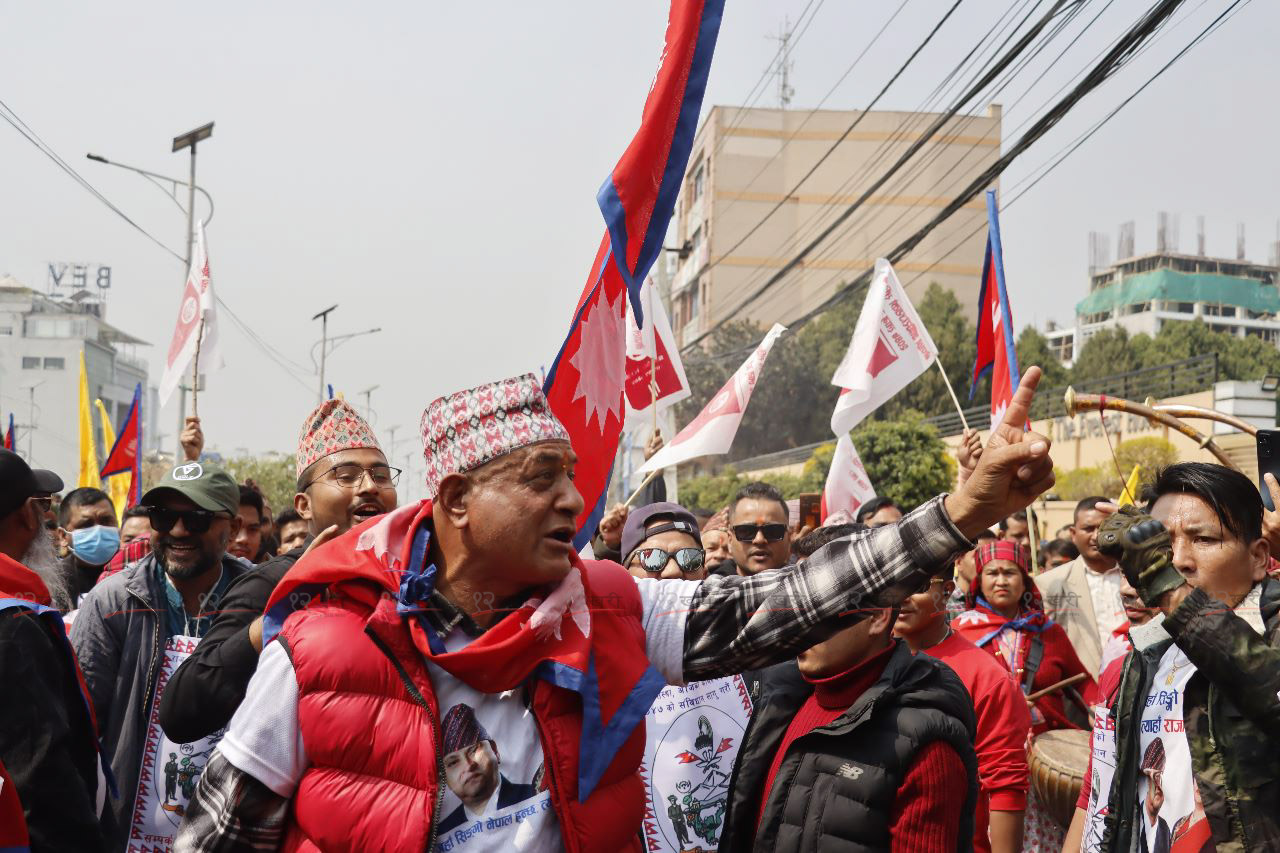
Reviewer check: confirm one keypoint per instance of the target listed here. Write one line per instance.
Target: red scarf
(572, 639)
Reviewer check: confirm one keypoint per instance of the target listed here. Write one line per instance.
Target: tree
(274, 473)
(905, 459)
(1033, 348)
(1108, 352)
(1152, 453)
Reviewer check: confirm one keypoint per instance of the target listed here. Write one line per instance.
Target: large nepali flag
(586, 382)
(996, 352)
(126, 453)
(10, 439)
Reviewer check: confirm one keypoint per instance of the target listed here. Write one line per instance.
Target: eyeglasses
(747, 532)
(654, 560)
(195, 521)
(350, 475)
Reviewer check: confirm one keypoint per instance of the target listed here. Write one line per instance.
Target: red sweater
(1003, 724)
(926, 811)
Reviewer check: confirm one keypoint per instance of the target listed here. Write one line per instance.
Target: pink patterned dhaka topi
(467, 429)
(332, 426)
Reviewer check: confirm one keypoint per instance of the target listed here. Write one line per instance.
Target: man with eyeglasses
(761, 535)
(477, 595)
(343, 479)
(130, 624)
(49, 790)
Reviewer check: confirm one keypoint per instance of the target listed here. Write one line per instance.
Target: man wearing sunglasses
(477, 594)
(760, 537)
(126, 623)
(343, 480)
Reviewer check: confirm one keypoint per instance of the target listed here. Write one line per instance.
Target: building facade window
(30, 362)
(55, 363)
(699, 180)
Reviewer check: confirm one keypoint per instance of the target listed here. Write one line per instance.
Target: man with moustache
(343, 479)
(125, 623)
(48, 744)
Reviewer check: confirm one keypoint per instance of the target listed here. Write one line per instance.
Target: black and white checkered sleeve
(739, 623)
(231, 812)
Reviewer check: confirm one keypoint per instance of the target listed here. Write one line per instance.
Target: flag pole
(646, 481)
(653, 384)
(959, 411)
(195, 370)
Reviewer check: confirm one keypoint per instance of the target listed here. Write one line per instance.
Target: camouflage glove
(1144, 551)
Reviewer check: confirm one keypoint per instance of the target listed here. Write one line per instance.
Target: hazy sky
(432, 167)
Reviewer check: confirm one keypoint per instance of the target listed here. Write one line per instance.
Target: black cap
(633, 532)
(22, 482)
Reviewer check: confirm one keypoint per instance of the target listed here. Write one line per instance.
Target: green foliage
(1151, 453)
(1113, 351)
(274, 473)
(1033, 348)
(905, 459)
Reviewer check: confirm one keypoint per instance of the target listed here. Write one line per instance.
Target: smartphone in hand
(1268, 462)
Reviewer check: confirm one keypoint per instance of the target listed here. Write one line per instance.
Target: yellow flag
(117, 485)
(1130, 494)
(88, 453)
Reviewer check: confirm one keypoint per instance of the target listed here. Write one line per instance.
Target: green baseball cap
(203, 483)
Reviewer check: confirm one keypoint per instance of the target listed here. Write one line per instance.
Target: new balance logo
(849, 771)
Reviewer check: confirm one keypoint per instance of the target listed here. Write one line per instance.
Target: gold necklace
(1173, 672)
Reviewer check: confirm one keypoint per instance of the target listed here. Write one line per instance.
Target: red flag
(10, 440)
(585, 384)
(652, 349)
(996, 351)
(126, 453)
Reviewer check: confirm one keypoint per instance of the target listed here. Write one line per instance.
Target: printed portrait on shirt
(491, 789)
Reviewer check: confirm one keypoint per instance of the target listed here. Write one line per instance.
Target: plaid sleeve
(739, 623)
(231, 812)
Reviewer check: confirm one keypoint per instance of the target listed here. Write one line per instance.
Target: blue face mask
(95, 546)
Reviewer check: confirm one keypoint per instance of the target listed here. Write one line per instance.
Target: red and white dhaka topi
(332, 426)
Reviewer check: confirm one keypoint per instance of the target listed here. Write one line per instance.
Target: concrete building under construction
(749, 204)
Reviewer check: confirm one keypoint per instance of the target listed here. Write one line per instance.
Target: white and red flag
(712, 431)
(890, 347)
(650, 347)
(996, 351)
(197, 305)
(848, 486)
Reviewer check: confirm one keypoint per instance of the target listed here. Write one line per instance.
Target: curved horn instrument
(1200, 413)
(1077, 403)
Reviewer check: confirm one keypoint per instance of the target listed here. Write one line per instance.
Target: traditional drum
(1058, 762)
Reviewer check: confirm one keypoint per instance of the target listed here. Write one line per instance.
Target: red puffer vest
(370, 726)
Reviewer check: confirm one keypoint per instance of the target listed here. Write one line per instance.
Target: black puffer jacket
(835, 788)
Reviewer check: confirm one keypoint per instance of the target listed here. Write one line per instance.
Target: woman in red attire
(1004, 615)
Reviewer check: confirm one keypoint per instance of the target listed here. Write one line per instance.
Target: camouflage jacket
(1232, 718)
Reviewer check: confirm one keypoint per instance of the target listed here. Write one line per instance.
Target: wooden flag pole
(1033, 539)
(964, 421)
(640, 488)
(195, 370)
(653, 385)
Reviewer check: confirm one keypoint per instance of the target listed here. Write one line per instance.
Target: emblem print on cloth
(467, 429)
(332, 426)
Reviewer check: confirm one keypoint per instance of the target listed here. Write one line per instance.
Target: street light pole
(323, 317)
(190, 140)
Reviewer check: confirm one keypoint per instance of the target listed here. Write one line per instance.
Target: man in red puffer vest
(477, 598)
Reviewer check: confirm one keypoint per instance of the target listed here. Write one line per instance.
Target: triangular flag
(117, 487)
(1129, 495)
(890, 347)
(712, 431)
(649, 347)
(848, 486)
(126, 453)
(996, 351)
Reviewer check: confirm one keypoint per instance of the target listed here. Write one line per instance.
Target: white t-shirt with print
(264, 740)
(1167, 794)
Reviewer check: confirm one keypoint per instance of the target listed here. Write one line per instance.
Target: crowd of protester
(349, 674)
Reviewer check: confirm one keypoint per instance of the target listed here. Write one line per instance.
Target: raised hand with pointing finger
(1013, 470)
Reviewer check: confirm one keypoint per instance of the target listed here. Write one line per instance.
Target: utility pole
(368, 402)
(784, 64)
(31, 418)
(323, 317)
(189, 140)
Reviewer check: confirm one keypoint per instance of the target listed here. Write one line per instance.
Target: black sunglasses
(747, 532)
(195, 521)
(654, 560)
(926, 585)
